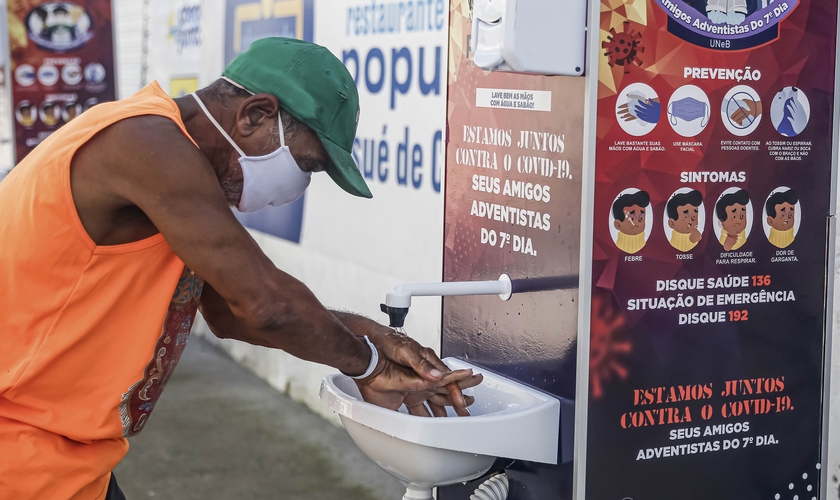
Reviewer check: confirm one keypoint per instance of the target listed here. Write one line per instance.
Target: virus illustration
(623, 48)
(606, 345)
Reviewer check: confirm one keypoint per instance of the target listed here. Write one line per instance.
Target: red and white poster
(712, 205)
(62, 63)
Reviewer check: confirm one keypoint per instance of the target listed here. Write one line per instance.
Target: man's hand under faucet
(275, 310)
(410, 374)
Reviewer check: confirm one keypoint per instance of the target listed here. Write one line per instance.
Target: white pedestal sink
(508, 420)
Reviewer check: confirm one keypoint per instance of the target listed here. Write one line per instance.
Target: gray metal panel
(830, 270)
(586, 225)
(831, 227)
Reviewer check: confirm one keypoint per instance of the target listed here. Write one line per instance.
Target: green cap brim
(345, 173)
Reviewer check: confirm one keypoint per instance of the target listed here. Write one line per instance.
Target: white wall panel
(128, 31)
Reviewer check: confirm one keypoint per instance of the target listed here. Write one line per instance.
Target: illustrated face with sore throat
(785, 217)
(686, 219)
(634, 221)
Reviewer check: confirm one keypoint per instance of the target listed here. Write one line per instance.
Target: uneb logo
(246, 21)
(727, 24)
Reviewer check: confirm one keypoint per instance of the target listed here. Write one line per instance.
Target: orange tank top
(90, 334)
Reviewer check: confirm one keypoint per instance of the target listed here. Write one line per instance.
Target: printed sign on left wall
(62, 63)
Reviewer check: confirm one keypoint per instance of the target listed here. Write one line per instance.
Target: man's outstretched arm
(444, 388)
(147, 162)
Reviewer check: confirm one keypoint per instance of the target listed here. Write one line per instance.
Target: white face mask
(274, 179)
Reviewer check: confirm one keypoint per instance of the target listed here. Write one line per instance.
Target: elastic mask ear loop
(706, 115)
(219, 127)
(673, 119)
(282, 130)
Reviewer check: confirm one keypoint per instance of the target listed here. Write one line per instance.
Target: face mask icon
(688, 109)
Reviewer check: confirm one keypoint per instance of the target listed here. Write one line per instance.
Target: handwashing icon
(637, 109)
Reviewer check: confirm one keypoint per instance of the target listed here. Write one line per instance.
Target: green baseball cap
(313, 86)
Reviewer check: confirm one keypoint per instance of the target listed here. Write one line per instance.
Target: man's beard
(232, 190)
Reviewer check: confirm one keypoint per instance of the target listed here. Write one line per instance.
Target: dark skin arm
(390, 345)
(142, 175)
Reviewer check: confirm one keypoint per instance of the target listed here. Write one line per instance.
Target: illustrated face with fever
(629, 212)
(634, 221)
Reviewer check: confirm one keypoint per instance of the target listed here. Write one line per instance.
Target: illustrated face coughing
(686, 222)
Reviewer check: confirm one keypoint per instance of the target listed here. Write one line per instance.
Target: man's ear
(617, 224)
(254, 111)
(671, 223)
(769, 220)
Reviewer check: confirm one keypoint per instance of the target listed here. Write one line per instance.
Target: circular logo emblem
(59, 26)
(71, 74)
(48, 75)
(25, 75)
(50, 113)
(94, 73)
(71, 110)
(26, 113)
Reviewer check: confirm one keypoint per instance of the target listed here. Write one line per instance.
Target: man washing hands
(118, 228)
(401, 360)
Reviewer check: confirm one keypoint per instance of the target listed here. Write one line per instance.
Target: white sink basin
(508, 420)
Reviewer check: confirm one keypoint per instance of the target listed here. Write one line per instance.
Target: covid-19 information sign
(711, 213)
(62, 63)
(514, 160)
